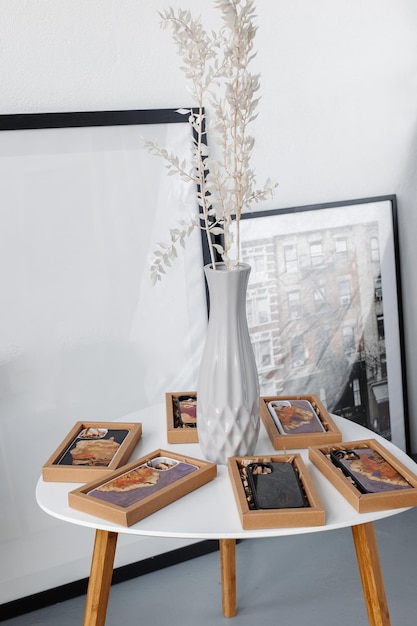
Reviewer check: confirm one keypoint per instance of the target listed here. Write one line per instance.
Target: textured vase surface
(228, 386)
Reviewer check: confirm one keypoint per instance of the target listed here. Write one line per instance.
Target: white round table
(210, 512)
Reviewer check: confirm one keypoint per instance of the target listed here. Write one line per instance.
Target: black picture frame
(79, 119)
(111, 118)
(90, 199)
(325, 311)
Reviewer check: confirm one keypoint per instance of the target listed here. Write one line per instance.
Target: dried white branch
(216, 68)
(165, 254)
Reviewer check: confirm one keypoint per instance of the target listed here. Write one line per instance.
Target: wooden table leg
(100, 578)
(228, 576)
(371, 574)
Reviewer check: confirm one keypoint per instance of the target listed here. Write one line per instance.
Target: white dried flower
(216, 70)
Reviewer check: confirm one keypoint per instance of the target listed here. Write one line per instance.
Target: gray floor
(304, 580)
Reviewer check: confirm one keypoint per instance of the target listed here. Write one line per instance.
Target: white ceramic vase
(228, 385)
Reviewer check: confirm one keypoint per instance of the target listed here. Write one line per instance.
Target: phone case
(278, 489)
(295, 416)
(187, 411)
(370, 472)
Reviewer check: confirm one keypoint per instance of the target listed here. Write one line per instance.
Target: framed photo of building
(324, 308)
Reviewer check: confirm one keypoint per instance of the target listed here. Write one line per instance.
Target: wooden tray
(177, 431)
(299, 440)
(82, 455)
(365, 502)
(252, 519)
(142, 487)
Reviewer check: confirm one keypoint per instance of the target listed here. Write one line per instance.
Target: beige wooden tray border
(176, 434)
(313, 515)
(299, 441)
(53, 472)
(126, 516)
(365, 502)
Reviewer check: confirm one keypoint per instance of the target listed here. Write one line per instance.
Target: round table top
(210, 512)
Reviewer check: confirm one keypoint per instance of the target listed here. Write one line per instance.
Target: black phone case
(280, 489)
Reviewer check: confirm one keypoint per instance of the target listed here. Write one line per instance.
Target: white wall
(337, 122)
